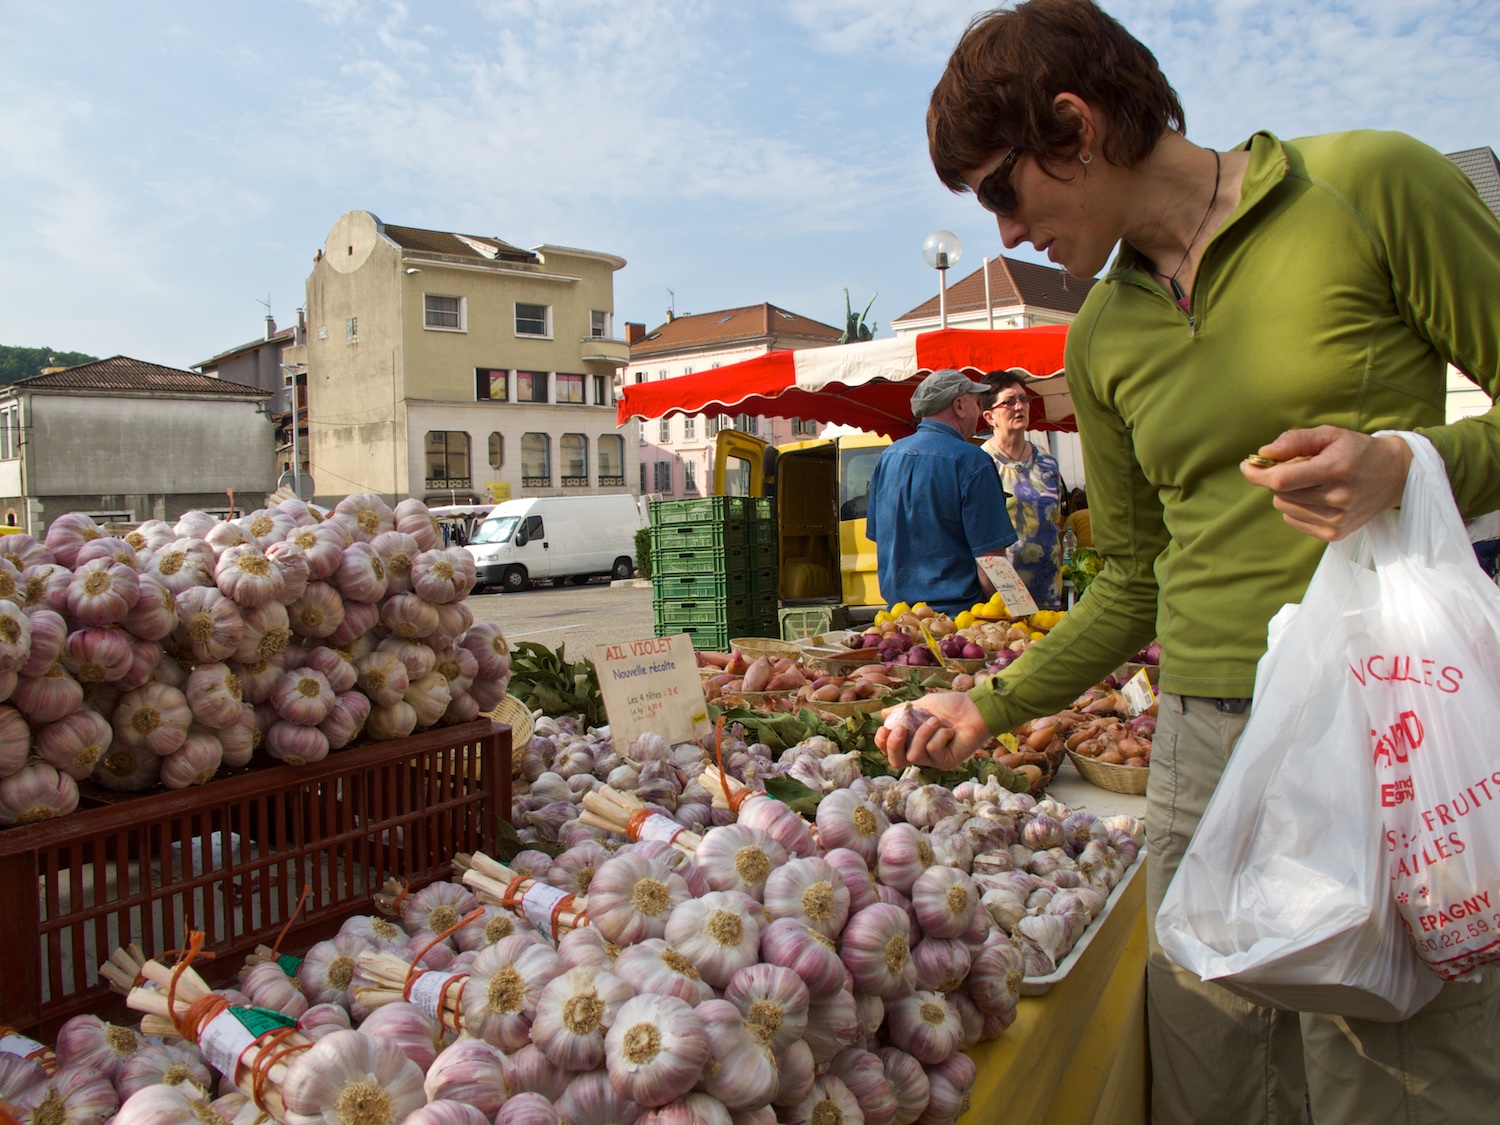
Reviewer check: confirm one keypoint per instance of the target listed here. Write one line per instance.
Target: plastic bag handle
(1427, 526)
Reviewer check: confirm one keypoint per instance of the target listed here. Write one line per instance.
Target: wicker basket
(1117, 779)
(765, 646)
(514, 714)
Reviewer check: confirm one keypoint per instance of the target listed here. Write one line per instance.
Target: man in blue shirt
(935, 502)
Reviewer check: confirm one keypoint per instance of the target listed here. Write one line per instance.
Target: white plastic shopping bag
(1428, 672)
(1285, 893)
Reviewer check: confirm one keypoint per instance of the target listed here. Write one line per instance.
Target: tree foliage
(23, 363)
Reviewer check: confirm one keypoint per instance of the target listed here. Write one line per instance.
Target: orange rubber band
(185, 958)
(199, 1014)
(414, 972)
(267, 1058)
(301, 901)
(508, 899)
(636, 823)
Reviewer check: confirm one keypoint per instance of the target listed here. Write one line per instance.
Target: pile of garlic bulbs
(178, 650)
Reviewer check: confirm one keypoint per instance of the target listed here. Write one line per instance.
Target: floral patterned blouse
(1033, 487)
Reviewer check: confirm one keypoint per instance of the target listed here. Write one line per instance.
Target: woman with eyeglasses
(1286, 299)
(1033, 489)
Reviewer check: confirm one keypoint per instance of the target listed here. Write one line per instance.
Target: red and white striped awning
(868, 385)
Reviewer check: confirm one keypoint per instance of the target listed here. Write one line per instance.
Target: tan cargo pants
(1217, 1058)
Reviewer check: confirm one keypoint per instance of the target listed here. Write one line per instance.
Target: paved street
(577, 616)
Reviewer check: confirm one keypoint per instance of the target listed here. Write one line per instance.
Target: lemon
(899, 608)
(1037, 636)
(963, 620)
(882, 617)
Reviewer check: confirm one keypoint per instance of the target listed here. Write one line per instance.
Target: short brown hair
(1004, 380)
(1009, 65)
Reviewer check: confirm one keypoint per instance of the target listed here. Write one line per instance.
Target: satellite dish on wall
(287, 482)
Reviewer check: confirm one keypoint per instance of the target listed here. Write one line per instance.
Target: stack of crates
(713, 575)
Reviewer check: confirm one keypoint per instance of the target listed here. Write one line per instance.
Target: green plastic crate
(712, 509)
(763, 580)
(761, 508)
(763, 532)
(696, 587)
(801, 621)
(761, 555)
(701, 560)
(704, 611)
(670, 537)
(705, 638)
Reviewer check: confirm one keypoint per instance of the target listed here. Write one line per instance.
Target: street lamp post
(941, 249)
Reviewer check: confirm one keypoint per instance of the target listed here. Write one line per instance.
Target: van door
(739, 465)
(857, 456)
(533, 548)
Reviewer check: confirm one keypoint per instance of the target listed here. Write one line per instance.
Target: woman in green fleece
(1287, 298)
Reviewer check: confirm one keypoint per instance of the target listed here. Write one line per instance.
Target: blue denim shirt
(935, 504)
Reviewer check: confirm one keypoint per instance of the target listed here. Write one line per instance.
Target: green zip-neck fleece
(1355, 268)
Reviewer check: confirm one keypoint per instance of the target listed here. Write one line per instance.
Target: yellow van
(821, 489)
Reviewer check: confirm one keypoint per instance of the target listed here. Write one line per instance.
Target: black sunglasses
(995, 192)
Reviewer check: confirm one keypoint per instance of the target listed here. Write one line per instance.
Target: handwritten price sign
(1008, 584)
(652, 685)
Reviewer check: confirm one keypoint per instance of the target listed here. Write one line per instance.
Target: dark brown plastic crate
(73, 889)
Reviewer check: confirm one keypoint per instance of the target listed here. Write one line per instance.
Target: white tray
(1040, 986)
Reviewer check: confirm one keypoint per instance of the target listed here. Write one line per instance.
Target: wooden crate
(232, 859)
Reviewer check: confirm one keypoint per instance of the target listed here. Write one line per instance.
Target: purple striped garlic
(246, 575)
(863, 1072)
(875, 947)
(195, 762)
(505, 983)
(575, 1013)
(925, 1026)
(813, 956)
(36, 792)
(949, 1085)
(832, 1024)
(846, 820)
(528, 1109)
(75, 743)
(470, 1071)
(909, 1078)
(347, 1077)
(631, 897)
(654, 966)
(773, 1002)
(718, 933)
(208, 624)
(811, 891)
(657, 1049)
(945, 900)
(46, 698)
(829, 1102)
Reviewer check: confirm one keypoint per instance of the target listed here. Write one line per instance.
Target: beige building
(458, 368)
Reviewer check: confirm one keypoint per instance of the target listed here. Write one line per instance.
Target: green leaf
(508, 845)
(792, 793)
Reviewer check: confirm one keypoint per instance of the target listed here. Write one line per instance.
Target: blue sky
(167, 165)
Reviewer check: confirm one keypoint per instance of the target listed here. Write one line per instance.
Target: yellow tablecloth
(1077, 1055)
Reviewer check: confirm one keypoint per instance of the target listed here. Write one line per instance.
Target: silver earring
(1086, 159)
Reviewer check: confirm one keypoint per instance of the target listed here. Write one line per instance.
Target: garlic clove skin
(447, 1113)
(829, 1102)
(76, 1094)
(89, 1042)
(875, 947)
(527, 1109)
(811, 891)
(169, 1105)
(413, 1030)
(773, 1001)
(741, 1071)
(718, 933)
(470, 1071)
(909, 1078)
(863, 1072)
(590, 1099)
(925, 1026)
(792, 944)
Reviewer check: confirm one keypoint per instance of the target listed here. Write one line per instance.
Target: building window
(569, 388)
(747, 424)
(531, 386)
(491, 385)
(663, 477)
(689, 427)
(640, 433)
(442, 312)
(662, 374)
(804, 427)
(612, 461)
(664, 430)
(536, 460)
(687, 370)
(351, 330)
(604, 390)
(643, 476)
(448, 460)
(690, 476)
(574, 449)
(10, 432)
(533, 320)
(497, 450)
(598, 324)
(712, 425)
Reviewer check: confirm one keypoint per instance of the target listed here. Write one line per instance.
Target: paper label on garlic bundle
(651, 686)
(426, 991)
(540, 902)
(20, 1045)
(658, 827)
(233, 1030)
(1139, 696)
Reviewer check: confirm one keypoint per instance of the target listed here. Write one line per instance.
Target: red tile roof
(121, 373)
(441, 242)
(777, 327)
(1011, 283)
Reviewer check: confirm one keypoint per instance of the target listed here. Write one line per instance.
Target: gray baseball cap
(939, 390)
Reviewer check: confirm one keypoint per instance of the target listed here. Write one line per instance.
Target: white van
(556, 537)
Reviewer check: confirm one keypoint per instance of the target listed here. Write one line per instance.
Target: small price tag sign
(652, 685)
(1138, 693)
(1008, 584)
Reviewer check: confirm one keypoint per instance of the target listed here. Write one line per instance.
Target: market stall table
(1078, 1053)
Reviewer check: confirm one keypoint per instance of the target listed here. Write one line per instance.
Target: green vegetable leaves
(545, 681)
